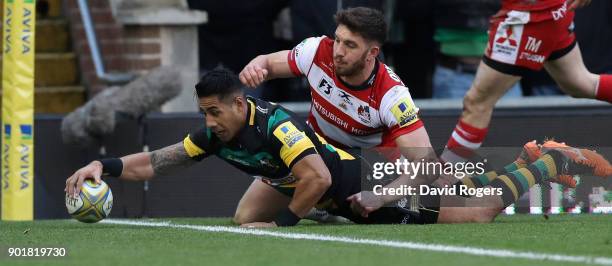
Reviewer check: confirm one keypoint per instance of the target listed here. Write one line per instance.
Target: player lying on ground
(297, 170)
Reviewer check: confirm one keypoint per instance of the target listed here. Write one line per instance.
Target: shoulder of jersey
(325, 51)
(386, 80)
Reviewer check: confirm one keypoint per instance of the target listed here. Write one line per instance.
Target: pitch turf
(113, 244)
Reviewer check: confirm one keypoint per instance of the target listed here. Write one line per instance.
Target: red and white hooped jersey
(530, 5)
(370, 115)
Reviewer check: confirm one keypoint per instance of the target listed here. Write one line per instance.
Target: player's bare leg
(260, 203)
(576, 80)
(488, 87)
(477, 210)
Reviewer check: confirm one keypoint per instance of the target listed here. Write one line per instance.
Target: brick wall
(124, 48)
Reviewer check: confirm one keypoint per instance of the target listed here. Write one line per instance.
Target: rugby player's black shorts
(419, 210)
(425, 213)
(350, 177)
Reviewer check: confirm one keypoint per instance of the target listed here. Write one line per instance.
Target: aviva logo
(7, 131)
(403, 107)
(26, 131)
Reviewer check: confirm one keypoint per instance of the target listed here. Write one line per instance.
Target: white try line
(499, 253)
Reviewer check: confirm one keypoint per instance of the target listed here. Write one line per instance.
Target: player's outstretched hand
(254, 73)
(578, 3)
(73, 184)
(365, 202)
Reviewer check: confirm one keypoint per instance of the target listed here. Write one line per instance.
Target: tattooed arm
(136, 167)
(145, 165)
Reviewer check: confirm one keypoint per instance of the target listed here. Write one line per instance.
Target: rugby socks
(478, 181)
(514, 184)
(464, 140)
(486, 178)
(604, 88)
(515, 166)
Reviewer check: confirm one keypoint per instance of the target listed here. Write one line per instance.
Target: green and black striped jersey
(271, 142)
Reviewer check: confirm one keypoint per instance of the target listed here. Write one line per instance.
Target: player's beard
(351, 70)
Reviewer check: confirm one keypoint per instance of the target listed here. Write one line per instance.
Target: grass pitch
(113, 244)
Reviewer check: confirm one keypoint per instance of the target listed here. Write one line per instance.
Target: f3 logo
(325, 87)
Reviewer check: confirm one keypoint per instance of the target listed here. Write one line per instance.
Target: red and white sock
(604, 88)
(464, 140)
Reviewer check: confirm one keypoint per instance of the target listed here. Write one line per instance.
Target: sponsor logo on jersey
(267, 163)
(532, 57)
(298, 48)
(507, 37)
(364, 113)
(405, 112)
(359, 132)
(7, 131)
(533, 44)
(392, 75)
(345, 97)
(294, 141)
(330, 115)
(290, 135)
(559, 13)
(506, 45)
(325, 87)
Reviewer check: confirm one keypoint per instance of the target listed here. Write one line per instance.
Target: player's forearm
(277, 64)
(146, 165)
(416, 148)
(314, 179)
(403, 180)
(137, 167)
(307, 193)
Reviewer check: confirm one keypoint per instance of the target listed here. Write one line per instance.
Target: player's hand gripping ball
(93, 203)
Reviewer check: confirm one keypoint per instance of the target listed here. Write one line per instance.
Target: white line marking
(500, 253)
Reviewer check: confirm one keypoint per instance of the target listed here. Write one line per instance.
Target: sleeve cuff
(397, 131)
(292, 63)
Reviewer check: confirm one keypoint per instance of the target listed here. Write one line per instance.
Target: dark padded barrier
(209, 188)
(128, 196)
(53, 162)
(213, 187)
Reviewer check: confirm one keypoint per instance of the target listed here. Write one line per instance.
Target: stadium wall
(136, 36)
(213, 187)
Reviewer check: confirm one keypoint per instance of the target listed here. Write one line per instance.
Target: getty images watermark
(423, 168)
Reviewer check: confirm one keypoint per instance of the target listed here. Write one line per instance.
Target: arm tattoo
(170, 158)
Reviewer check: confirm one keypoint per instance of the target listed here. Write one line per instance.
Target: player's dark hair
(219, 81)
(367, 22)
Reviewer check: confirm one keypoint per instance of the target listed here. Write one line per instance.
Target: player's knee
(485, 215)
(475, 102)
(240, 217)
(236, 219)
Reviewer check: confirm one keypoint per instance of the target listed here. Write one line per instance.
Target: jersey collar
(247, 135)
(365, 85)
